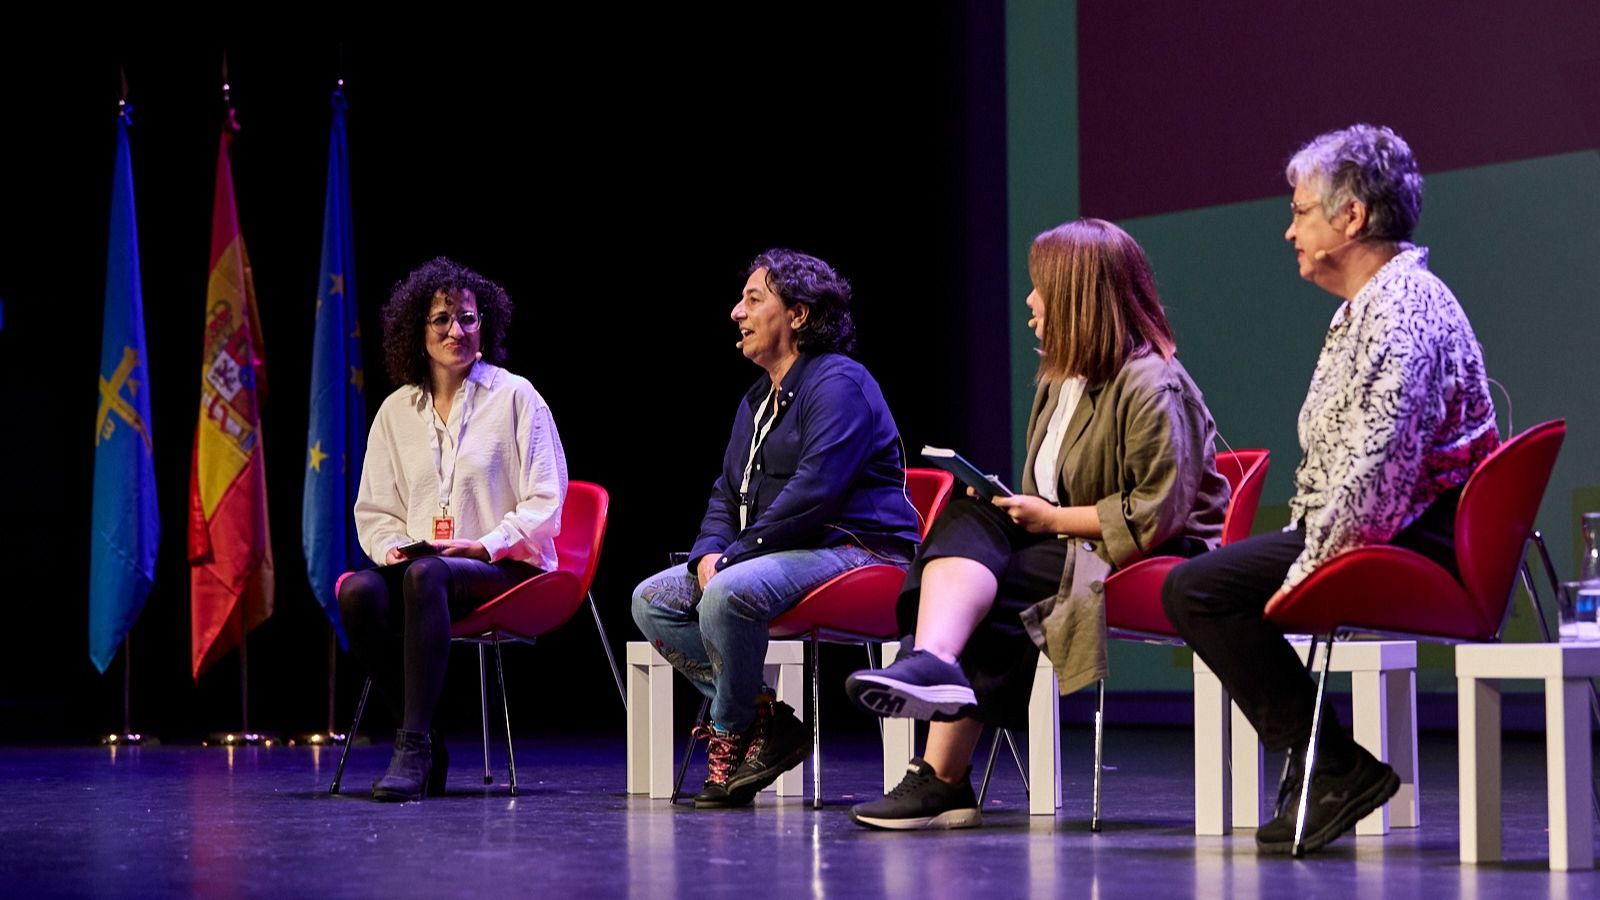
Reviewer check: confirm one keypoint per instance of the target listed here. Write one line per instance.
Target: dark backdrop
(615, 176)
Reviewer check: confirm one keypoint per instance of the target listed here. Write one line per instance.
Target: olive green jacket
(1139, 449)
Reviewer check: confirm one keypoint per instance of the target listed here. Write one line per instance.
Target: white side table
(1230, 788)
(1565, 670)
(650, 737)
(1044, 740)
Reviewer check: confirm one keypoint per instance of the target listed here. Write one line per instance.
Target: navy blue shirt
(829, 472)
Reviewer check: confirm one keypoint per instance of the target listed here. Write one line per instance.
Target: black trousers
(398, 620)
(1216, 602)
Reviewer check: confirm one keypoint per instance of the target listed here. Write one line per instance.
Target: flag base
(240, 739)
(321, 739)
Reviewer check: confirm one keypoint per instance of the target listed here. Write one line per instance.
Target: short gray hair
(1369, 163)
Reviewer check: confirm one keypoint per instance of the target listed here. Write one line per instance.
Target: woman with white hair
(1397, 417)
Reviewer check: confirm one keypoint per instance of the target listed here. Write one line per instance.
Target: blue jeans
(718, 637)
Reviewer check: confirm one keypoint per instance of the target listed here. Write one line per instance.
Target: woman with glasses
(460, 500)
(1397, 416)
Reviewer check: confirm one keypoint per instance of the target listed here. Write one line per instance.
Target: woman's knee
(363, 597)
(427, 579)
(668, 594)
(727, 599)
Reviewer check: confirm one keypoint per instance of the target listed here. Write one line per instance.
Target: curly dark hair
(799, 278)
(405, 348)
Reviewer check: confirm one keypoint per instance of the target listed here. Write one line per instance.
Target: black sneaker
(724, 752)
(779, 742)
(921, 800)
(1337, 803)
(918, 685)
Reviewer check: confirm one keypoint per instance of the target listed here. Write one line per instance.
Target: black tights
(406, 651)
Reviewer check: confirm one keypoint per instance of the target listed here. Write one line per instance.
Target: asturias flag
(126, 525)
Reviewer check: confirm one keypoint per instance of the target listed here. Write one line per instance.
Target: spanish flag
(230, 555)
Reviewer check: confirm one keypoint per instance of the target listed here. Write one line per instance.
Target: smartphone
(416, 549)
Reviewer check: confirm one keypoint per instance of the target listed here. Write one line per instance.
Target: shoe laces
(721, 749)
(758, 735)
(913, 781)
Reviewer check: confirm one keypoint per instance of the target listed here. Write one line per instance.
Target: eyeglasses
(1296, 210)
(467, 319)
(1299, 209)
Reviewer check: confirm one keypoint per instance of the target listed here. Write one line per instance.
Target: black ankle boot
(409, 768)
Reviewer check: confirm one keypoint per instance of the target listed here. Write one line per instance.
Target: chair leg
(350, 737)
(1533, 599)
(988, 767)
(483, 704)
(1099, 760)
(816, 725)
(1311, 747)
(872, 663)
(1283, 777)
(505, 710)
(1016, 756)
(1549, 567)
(611, 658)
(688, 751)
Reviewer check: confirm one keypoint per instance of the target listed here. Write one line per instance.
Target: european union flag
(336, 441)
(126, 523)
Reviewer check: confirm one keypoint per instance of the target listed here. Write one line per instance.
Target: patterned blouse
(1397, 414)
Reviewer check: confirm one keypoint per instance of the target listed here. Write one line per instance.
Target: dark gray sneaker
(921, 800)
(918, 685)
(1336, 804)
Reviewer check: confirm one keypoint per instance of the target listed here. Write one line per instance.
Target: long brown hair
(1100, 303)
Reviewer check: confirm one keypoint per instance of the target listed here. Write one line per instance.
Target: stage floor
(184, 820)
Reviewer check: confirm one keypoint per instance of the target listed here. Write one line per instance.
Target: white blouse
(497, 462)
(1044, 463)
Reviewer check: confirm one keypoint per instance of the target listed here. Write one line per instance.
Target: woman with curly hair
(460, 500)
(811, 486)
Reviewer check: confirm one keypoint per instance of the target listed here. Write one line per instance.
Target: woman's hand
(1034, 514)
(393, 556)
(705, 568)
(470, 549)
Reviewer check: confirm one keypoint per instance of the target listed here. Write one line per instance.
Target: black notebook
(987, 486)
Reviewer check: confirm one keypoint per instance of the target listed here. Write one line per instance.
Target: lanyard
(758, 438)
(444, 466)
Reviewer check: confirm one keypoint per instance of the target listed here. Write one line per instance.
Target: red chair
(1389, 590)
(855, 607)
(529, 611)
(1133, 595)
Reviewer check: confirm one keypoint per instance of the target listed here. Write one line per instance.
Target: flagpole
(127, 737)
(325, 519)
(122, 180)
(240, 614)
(244, 678)
(127, 680)
(333, 679)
